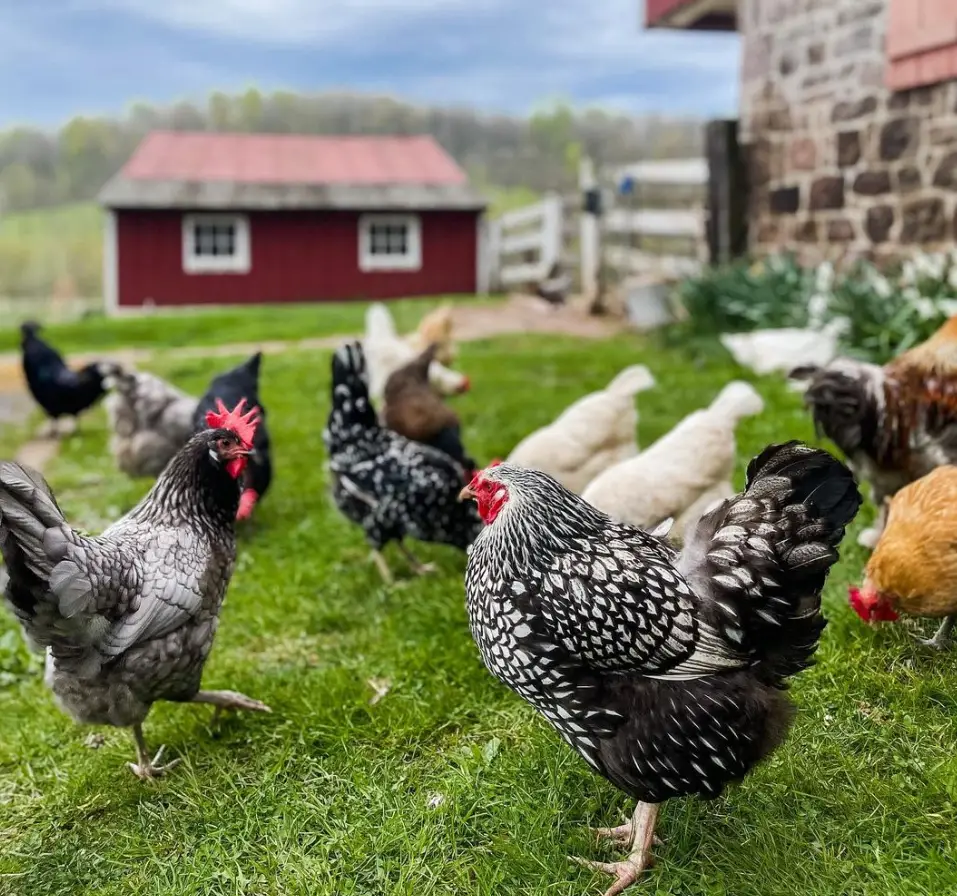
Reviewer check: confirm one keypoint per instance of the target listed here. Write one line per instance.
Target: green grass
(450, 784)
(221, 326)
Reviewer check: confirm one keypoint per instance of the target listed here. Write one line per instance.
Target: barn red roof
(210, 170)
(292, 159)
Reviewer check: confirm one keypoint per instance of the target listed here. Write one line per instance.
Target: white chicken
(682, 474)
(386, 351)
(772, 351)
(594, 433)
(150, 420)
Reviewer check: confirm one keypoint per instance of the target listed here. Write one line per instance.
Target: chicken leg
(229, 700)
(382, 566)
(418, 568)
(145, 768)
(942, 638)
(640, 836)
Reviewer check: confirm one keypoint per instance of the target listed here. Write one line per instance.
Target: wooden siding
(296, 257)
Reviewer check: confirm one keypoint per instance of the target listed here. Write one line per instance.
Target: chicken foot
(224, 700)
(144, 768)
(418, 568)
(382, 566)
(641, 837)
(942, 638)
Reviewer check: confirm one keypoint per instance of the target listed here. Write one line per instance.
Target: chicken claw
(639, 835)
(622, 835)
(150, 769)
(418, 568)
(230, 700)
(147, 769)
(941, 640)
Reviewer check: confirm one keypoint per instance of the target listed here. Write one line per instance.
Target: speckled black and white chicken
(128, 617)
(665, 671)
(392, 487)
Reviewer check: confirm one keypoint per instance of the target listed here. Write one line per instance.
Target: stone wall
(840, 167)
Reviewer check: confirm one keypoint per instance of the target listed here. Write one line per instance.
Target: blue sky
(59, 58)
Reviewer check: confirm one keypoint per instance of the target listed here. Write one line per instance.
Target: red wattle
(247, 501)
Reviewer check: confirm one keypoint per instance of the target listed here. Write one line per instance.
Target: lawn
(218, 326)
(449, 784)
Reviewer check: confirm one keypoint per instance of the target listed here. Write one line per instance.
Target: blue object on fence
(626, 186)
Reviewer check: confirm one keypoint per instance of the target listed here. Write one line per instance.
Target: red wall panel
(296, 257)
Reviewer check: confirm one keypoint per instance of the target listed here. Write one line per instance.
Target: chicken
(128, 617)
(386, 351)
(681, 474)
(770, 351)
(390, 486)
(413, 408)
(665, 672)
(435, 329)
(150, 420)
(231, 387)
(590, 435)
(894, 423)
(913, 569)
(60, 391)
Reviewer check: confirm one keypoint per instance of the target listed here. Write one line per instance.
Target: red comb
(869, 607)
(495, 462)
(244, 425)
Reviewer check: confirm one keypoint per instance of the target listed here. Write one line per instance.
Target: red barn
(230, 219)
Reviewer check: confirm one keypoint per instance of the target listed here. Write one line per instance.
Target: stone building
(848, 119)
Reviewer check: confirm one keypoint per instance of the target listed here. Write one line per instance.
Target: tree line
(40, 168)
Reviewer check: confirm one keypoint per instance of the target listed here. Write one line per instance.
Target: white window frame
(239, 262)
(411, 261)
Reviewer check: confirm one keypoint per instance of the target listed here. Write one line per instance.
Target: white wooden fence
(628, 239)
(524, 244)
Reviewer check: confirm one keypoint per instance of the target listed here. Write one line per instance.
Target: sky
(60, 58)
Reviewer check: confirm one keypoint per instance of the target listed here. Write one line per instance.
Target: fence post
(589, 243)
(493, 255)
(552, 237)
(727, 192)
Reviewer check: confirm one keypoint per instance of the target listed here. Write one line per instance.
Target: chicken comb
(495, 462)
(244, 425)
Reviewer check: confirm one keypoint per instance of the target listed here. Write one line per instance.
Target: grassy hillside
(52, 252)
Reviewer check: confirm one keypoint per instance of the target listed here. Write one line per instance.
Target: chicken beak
(467, 494)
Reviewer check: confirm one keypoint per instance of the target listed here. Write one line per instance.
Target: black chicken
(60, 391)
(665, 671)
(389, 485)
(231, 387)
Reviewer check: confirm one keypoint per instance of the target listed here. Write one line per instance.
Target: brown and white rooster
(894, 423)
(128, 617)
(664, 671)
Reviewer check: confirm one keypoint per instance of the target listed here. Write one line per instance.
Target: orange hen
(913, 569)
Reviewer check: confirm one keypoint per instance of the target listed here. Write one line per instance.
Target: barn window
(216, 244)
(390, 243)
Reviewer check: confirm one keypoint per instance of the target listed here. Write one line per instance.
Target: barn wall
(840, 165)
(296, 257)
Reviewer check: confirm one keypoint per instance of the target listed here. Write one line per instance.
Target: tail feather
(737, 400)
(379, 323)
(631, 381)
(351, 406)
(763, 557)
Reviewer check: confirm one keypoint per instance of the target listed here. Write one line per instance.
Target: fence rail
(636, 234)
(526, 243)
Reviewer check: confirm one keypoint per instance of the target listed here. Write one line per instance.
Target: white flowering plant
(883, 314)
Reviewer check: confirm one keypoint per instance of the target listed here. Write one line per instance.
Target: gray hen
(128, 617)
(150, 420)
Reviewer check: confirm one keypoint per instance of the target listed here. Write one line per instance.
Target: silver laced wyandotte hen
(128, 617)
(391, 486)
(665, 671)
